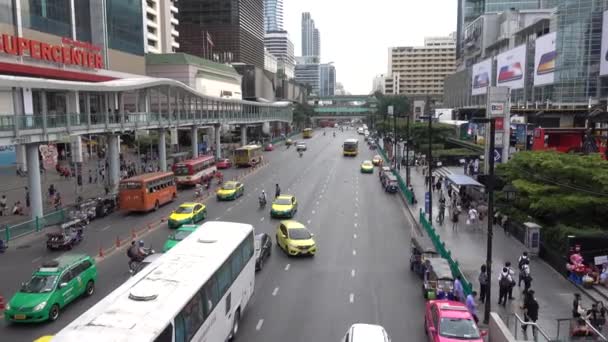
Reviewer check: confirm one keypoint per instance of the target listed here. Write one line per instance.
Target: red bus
(146, 192)
(194, 171)
(565, 140)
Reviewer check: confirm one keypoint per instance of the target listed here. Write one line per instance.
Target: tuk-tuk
(65, 236)
(384, 171)
(438, 280)
(422, 249)
(390, 184)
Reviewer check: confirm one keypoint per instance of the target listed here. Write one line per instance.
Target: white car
(300, 146)
(360, 130)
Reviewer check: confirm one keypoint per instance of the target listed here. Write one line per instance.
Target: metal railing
(520, 323)
(21, 229)
(595, 336)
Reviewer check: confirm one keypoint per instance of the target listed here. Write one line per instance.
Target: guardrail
(430, 230)
(24, 228)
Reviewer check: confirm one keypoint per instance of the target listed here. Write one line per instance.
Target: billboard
(481, 77)
(511, 68)
(604, 49)
(544, 59)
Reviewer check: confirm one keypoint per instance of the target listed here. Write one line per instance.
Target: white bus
(197, 291)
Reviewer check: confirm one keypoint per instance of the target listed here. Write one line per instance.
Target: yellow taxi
(284, 206)
(288, 142)
(294, 239)
(47, 338)
(367, 167)
(230, 191)
(377, 160)
(190, 212)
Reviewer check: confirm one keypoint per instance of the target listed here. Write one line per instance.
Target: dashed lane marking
(356, 214)
(308, 222)
(354, 252)
(352, 273)
(229, 209)
(355, 236)
(262, 219)
(356, 225)
(259, 325)
(36, 260)
(217, 218)
(287, 267)
(105, 228)
(275, 291)
(351, 297)
(313, 212)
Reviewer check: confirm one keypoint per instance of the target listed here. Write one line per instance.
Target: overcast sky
(356, 34)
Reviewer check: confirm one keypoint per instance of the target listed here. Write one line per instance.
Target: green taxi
(180, 234)
(230, 191)
(284, 206)
(53, 286)
(190, 212)
(367, 167)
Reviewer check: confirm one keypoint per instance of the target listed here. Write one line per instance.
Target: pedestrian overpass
(343, 107)
(46, 110)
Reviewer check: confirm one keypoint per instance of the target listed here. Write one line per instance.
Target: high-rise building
(224, 31)
(327, 80)
(311, 39)
(420, 70)
(308, 73)
(279, 45)
(378, 84)
(161, 26)
(273, 15)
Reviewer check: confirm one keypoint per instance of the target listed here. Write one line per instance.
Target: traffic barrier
(2, 303)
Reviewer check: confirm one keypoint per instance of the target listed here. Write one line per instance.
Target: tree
(302, 113)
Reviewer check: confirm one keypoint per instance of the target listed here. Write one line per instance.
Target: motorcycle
(334, 134)
(262, 201)
(301, 153)
(134, 264)
(323, 133)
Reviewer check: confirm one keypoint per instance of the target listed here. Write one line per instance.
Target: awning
(463, 180)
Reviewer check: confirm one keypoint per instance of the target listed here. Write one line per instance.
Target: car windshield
(184, 210)
(458, 328)
(299, 234)
(181, 234)
(39, 284)
(229, 186)
(283, 201)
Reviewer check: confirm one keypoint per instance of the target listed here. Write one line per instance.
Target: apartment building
(161, 26)
(420, 70)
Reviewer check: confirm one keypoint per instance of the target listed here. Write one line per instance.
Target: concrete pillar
(73, 107)
(33, 178)
(114, 162)
(218, 143)
(174, 140)
(21, 159)
(194, 140)
(243, 135)
(162, 151)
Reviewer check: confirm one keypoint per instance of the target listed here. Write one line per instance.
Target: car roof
(452, 309)
(188, 227)
(231, 182)
(188, 204)
(285, 197)
(292, 224)
(367, 161)
(361, 332)
(62, 262)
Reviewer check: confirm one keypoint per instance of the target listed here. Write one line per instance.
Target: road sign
(499, 124)
(498, 155)
(499, 139)
(497, 108)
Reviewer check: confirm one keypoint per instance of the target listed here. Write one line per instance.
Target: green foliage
(566, 193)
(419, 132)
(302, 113)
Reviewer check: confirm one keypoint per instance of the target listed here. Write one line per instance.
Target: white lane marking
(357, 199)
(313, 212)
(355, 236)
(105, 228)
(355, 225)
(262, 219)
(274, 292)
(352, 273)
(217, 218)
(259, 325)
(317, 203)
(36, 260)
(287, 267)
(320, 196)
(354, 252)
(229, 209)
(352, 297)
(356, 214)
(256, 189)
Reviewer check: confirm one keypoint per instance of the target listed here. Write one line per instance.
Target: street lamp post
(395, 140)
(407, 153)
(490, 186)
(430, 163)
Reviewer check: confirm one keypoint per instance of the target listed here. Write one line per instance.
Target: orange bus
(194, 171)
(146, 192)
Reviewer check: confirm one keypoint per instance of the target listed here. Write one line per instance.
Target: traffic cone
(133, 234)
(2, 303)
(149, 226)
(100, 252)
(117, 242)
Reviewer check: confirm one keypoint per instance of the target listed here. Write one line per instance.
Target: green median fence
(18, 230)
(445, 253)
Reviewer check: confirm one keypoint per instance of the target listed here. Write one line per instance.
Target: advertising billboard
(482, 72)
(511, 68)
(544, 59)
(604, 49)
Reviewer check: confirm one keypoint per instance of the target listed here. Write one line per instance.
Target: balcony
(174, 33)
(174, 9)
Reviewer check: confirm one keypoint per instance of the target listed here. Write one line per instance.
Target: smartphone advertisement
(481, 77)
(511, 68)
(544, 59)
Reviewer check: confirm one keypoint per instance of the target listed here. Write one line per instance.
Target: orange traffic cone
(100, 252)
(133, 234)
(117, 242)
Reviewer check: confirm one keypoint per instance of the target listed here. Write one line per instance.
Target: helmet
(141, 243)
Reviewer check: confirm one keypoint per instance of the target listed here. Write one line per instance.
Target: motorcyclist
(301, 153)
(277, 191)
(323, 132)
(263, 197)
(334, 134)
(137, 252)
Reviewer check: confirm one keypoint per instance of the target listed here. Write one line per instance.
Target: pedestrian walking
(521, 262)
(483, 283)
(472, 306)
(90, 176)
(455, 214)
(459, 289)
(504, 284)
(597, 315)
(512, 274)
(527, 278)
(530, 308)
(27, 197)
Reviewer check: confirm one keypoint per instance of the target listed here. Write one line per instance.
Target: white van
(362, 332)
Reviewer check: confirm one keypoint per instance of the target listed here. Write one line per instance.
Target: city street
(360, 273)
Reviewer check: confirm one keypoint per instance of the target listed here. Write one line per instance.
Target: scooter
(262, 201)
(134, 264)
(301, 153)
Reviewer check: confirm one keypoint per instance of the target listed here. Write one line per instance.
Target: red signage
(75, 53)
(499, 124)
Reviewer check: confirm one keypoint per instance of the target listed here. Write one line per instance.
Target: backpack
(523, 261)
(130, 252)
(504, 281)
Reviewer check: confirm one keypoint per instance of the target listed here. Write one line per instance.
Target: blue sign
(520, 135)
(202, 147)
(8, 157)
(498, 155)
(427, 201)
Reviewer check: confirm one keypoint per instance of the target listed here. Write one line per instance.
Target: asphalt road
(360, 274)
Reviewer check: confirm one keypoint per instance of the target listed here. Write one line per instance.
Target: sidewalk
(553, 292)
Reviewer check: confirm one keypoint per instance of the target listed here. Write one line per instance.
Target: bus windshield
(181, 170)
(348, 146)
